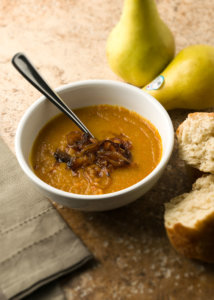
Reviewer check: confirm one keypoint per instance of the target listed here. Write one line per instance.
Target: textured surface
(66, 40)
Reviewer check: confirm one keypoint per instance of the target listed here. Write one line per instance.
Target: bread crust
(195, 243)
(189, 221)
(194, 239)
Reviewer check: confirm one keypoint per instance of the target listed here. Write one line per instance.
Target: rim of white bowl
(29, 172)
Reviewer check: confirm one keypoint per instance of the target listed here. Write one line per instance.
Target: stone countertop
(66, 41)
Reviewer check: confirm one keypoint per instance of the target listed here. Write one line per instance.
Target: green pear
(188, 81)
(141, 45)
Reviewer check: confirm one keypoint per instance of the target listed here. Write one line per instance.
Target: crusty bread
(196, 141)
(189, 221)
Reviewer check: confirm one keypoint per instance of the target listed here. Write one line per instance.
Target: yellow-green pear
(141, 45)
(188, 81)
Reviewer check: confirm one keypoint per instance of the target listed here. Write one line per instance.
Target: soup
(126, 149)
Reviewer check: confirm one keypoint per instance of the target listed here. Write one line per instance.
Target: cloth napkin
(36, 245)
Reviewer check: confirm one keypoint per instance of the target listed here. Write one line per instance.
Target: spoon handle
(28, 71)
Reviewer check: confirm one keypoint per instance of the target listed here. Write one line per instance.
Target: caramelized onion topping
(102, 156)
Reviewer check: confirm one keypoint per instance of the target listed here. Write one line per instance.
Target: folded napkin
(36, 245)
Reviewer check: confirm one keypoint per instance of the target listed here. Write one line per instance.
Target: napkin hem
(42, 282)
(12, 228)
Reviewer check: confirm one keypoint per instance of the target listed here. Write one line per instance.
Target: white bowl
(86, 93)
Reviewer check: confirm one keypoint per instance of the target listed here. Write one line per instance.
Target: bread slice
(189, 221)
(196, 141)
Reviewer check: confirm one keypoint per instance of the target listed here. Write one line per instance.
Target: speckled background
(66, 41)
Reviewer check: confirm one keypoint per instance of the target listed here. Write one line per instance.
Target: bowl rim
(29, 172)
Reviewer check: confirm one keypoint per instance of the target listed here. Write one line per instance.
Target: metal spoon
(28, 71)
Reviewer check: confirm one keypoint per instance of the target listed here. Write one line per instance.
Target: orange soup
(126, 149)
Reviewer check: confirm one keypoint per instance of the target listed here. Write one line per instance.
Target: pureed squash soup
(126, 149)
